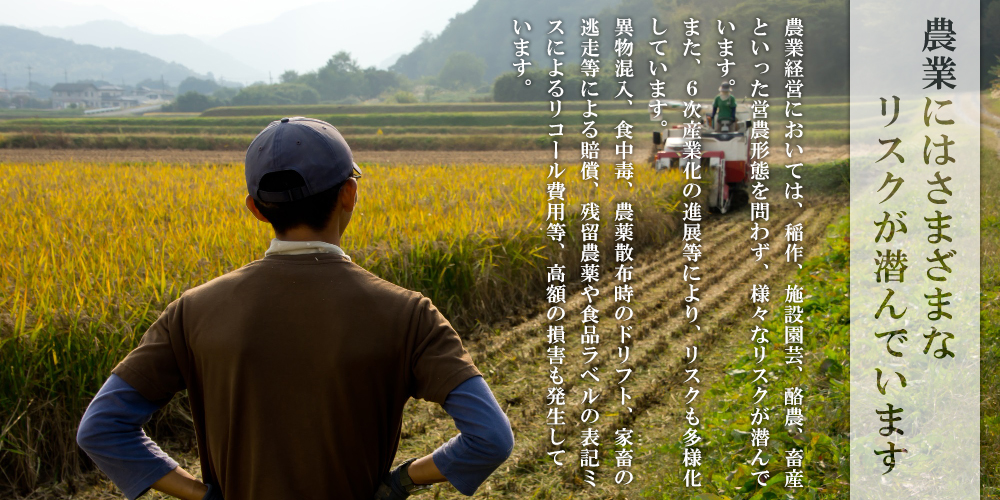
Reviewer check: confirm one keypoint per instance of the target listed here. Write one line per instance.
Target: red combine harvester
(724, 154)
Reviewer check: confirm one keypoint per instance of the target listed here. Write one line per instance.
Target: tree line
(340, 80)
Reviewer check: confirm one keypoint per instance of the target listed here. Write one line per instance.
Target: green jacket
(726, 107)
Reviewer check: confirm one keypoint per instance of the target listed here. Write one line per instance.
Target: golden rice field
(92, 252)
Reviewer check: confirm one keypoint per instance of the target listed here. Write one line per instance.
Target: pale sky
(264, 35)
(202, 18)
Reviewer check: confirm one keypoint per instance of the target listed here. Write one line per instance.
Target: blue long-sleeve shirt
(111, 434)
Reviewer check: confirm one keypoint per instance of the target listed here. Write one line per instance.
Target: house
(113, 96)
(131, 101)
(19, 95)
(154, 94)
(82, 94)
(110, 92)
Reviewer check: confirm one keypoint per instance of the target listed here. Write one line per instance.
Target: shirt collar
(282, 247)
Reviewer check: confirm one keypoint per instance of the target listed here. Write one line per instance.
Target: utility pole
(29, 78)
(269, 79)
(65, 75)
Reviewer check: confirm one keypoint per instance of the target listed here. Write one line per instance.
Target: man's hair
(314, 211)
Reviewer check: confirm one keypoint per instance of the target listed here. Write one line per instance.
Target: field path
(515, 364)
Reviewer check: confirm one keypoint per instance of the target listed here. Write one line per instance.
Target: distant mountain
(389, 61)
(54, 60)
(487, 30)
(182, 49)
(303, 39)
(53, 13)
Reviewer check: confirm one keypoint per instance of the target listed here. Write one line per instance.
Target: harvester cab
(724, 154)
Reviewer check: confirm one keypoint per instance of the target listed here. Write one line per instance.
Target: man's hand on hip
(397, 484)
(391, 487)
(214, 493)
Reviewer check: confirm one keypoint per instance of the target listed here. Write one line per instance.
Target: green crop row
(489, 107)
(825, 378)
(159, 127)
(990, 319)
(440, 117)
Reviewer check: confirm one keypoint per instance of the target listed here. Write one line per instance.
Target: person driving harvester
(723, 109)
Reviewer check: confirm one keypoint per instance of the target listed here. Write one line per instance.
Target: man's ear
(252, 207)
(348, 197)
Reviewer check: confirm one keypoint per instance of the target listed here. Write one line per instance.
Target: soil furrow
(653, 340)
(515, 362)
(650, 272)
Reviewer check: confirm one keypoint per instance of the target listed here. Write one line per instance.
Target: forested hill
(826, 41)
(54, 60)
(487, 31)
(989, 40)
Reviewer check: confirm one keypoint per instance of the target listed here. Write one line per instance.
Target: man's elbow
(502, 440)
(86, 433)
(92, 433)
(507, 443)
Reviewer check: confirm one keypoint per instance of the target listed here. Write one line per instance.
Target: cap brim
(357, 169)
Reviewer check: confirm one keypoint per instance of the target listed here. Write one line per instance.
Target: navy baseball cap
(312, 148)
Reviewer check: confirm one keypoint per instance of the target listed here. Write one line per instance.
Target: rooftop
(73, 87)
